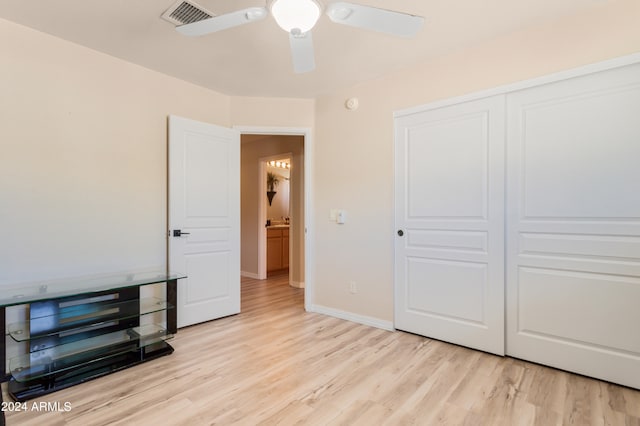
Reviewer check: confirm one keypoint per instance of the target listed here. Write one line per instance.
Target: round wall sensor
(351, 103)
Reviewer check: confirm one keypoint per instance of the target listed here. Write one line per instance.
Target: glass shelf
(81, 321)
(23, 293)
(71, 356)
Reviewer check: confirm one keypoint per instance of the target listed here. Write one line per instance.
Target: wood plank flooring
(276, 364)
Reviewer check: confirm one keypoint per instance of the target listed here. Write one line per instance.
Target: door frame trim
(309, 235)
(262, 215)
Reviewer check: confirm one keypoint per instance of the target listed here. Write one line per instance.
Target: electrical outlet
(353, 289)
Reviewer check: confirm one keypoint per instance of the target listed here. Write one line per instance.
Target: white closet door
(449, 208)
(573, 237)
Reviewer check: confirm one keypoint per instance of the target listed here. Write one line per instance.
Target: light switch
(341, 217)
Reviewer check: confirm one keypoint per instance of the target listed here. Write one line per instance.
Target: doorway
(259, 145)
(277, 181)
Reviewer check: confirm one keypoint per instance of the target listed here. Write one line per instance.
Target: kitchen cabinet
(277, 248)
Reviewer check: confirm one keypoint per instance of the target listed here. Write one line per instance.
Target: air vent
(185, 12)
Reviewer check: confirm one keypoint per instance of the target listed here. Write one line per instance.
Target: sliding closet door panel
(450, 214)
(573, 235)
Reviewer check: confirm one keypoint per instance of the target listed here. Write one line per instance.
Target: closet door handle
(178, 233)
(400, 232)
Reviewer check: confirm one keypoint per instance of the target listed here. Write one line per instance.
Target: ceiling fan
(298, 17)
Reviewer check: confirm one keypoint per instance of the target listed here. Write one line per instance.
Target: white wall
(272, 112)
(83, 141)
(353, 167)
(83, 181)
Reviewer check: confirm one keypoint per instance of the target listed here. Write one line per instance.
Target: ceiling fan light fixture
(292, 15)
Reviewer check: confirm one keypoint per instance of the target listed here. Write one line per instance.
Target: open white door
(204, 218)
(449, 209)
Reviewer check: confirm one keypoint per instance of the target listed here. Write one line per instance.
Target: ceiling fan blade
(372, 18)
(223, 22)
(302, 52)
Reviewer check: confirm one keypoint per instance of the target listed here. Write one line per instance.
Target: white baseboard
(349, 316)
(296, 284)
(249, 275)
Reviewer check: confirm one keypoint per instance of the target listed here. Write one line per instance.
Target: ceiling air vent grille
(185, 12)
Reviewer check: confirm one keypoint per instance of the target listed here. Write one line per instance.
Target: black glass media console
(83, 328)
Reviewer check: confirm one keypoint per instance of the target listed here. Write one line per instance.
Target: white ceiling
(254, 59)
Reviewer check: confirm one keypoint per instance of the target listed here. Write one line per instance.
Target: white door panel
(431, 297)
(449, 206)
(204, 194)
(548, 306)
(573, 238)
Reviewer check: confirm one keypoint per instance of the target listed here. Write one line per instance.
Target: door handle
(178, 233)
(400, 232)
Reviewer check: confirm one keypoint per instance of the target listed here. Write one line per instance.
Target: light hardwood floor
(276, 364)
